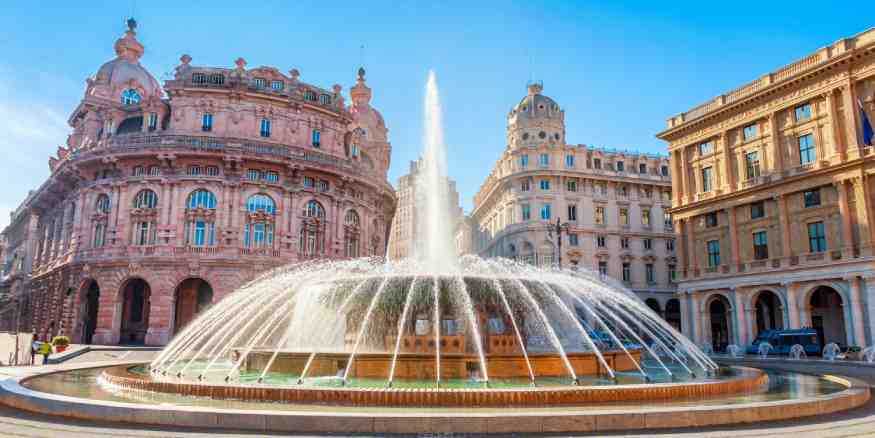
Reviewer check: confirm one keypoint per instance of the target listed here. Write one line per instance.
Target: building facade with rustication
(167, 198)
(612, 205)
(773, 185)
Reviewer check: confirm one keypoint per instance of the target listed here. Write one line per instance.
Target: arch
(130, 96)
(718, 310)
(352, 218)
(653, 304)
(89, 304)
(131, 125)
(768, 311)
(260, 201)
(201, 198)
(146, 198)
(135, 297)
(673, 313)
(827, 311)
(191, 297)
(314, 209)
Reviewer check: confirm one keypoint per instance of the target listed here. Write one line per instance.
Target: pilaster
(857, 310)
(847, 227)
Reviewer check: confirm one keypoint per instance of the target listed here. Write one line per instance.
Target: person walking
(34, 348)
(46, 350)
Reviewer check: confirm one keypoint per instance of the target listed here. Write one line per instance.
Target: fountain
(764, 349)
(734, 350)
(869, 354)
(797, 351)
(831, 351)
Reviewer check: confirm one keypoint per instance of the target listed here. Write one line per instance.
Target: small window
(600, 241)
(153, 122)
(103, 204)
(544, 160)
(760, 245)
(642, 168)
(706, 148)
(309, 182)
(207, 122)
(253, 175)
(309, 95)
(569, 161)
(669, 245)
(524, 161)
(807, 152)
(752, 164)
(707, 183)
(217, 79)
(624, 217)
(627, 272)
(803, 112)
(713, 253)
(146, 199)
(816, 237)
(354, 150)
(260, 83)
(603, 268)
(542, 135)
(324, 99)
(139, 171)
(600, 215)
(572, 212)
(545, 184)
(316, 138)
(572, 240)
(645, 217)
(624, 242)
(271, 176)
(198, 78)
(277, 85)
(648, 269)
(750, 131)
(571, 185)
(545, 212)
(265, 128)
(526, 212)
(664, 170)
(154, 171)
(711, 219)
(212, 171)
(811, 198)
(131, 97)
(195, 170)
(672, 273)
(525, 186)
(620, 166)
(322, 185)
(757, 210)
(597, 163)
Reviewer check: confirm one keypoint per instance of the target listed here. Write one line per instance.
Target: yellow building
(773, 198)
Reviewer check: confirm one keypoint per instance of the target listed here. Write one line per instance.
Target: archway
(673, 313)
(768, 312)
(88, 307)
(827, 316)
(192, 297)
(135, 311)
(718, 311)
(653, 304)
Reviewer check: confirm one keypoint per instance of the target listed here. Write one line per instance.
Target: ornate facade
(164, 200)
(773, 199)
(612, 203)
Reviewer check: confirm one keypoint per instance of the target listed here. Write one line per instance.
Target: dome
(120, 72)
(536, 105)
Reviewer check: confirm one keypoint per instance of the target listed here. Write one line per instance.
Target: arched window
(351, 218)
(146, 199)
(131, 97)
(314, 209)
(260, 202)
(202, 198)
(103, 204)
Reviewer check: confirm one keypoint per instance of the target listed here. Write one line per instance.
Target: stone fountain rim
(13, 394)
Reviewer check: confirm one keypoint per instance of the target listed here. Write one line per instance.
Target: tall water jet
(433, 219)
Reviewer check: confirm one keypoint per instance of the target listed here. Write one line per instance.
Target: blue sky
(619, 69)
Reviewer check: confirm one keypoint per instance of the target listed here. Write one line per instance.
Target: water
(869, 354)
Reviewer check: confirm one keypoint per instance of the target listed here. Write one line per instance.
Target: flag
(867, 127)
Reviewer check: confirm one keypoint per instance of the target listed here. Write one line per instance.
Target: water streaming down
(435, 319)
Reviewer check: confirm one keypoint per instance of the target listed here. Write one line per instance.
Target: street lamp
(559, 228)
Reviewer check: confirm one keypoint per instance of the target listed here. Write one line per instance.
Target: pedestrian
(46, 350)
(34, 347)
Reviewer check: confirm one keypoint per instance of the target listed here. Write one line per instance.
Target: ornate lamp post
(559, 228)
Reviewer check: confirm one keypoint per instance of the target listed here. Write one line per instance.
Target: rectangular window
(600, 241)
(713, 253)
(757, 210)
(207, 122)
(807, 152)
(545, 212)
(672, 273)
(645, 217)
(316, 138)
(600, 215)
(597, 163)
(706, 148)
(760, 245)
(524, 161)
(811, 198)
(642, 168)
(752, 164)
(277, 85)
(627, 272)
(816, 237)
(603, 268)
(648, 268)
(620, 166)
(309, 182)
(153, 121)
(803, 112)
(212, 171)
(354, 150)
(572, 240)
(544, 160)
(253, 175)
(666, 221)
(271, 176)
(571, 185)
(624, 242)
(707, 183)
(711, 219)
(572, 212)
(525, 186)
(545, 184)
(750, 131)
(265, 128)
(139, 171)
(322, 185)
(99, 235)
(648, 244)
(664, 170)
(569, 161)
(624, 217)
(527, 212)
(260, 82)
(669, 245)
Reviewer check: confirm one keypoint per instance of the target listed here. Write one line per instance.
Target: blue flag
(867, 127)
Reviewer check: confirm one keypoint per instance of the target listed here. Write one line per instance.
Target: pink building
(165, 200)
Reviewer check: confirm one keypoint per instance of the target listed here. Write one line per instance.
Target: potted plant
(60, 343)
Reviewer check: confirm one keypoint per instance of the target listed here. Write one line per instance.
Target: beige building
(406, 233)
(612, 202)
(773, 199)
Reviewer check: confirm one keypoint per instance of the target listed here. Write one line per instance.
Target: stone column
(784, 218)
(698, 338)
(676, 183)
(792, 305)
(857, 310)
(847, 227)
(691, 246)
(689, 184)
(733, 238)
(864, 214)
(849, 102)
(684, 299)
(777, 146)
(740, 165)
(833, 131)
(741, 319)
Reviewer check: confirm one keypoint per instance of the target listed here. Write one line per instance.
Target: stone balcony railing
(776, 264)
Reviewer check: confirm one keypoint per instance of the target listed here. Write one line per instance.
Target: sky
(618, 69)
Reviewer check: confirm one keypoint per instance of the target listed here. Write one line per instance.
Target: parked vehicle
(782, 340)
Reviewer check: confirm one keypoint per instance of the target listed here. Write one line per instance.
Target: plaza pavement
(859, 422)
